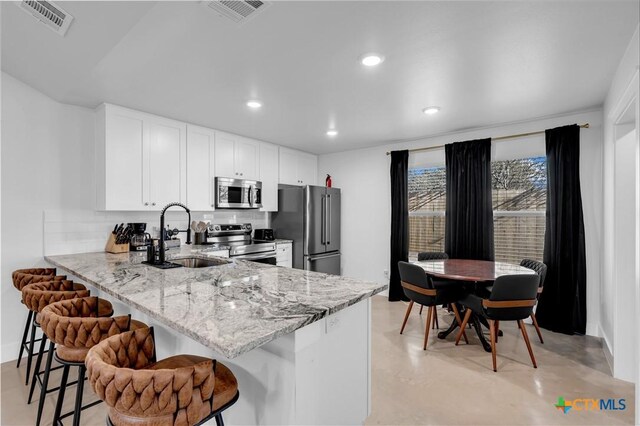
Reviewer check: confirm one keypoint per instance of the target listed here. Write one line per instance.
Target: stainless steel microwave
(238, 193)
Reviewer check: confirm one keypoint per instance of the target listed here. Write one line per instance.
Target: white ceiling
(484, 63)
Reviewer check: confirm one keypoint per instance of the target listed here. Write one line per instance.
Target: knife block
(112, 247)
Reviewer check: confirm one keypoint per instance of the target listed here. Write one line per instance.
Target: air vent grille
(50, 14)
(238, 11)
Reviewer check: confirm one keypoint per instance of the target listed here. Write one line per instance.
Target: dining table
(471, 274)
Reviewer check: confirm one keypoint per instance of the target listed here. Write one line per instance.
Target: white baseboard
(606, 349)
(593, 329)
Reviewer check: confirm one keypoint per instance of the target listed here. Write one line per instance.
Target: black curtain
(399, 221)
(469, 211)
(563, 302)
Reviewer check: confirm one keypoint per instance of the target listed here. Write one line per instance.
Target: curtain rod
(500, 138)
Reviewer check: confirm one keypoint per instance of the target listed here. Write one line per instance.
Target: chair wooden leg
(456, 313)
(526, 340)
(421, 306)
(535, 324)
(406, 316)
(426, 331)
(464, 323)
(493, 333)
(497, 327)
(435, 318)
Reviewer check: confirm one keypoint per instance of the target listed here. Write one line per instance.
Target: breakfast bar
(298, 341)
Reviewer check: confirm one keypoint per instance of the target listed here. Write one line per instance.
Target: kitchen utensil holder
(112, 247)
(201, 238)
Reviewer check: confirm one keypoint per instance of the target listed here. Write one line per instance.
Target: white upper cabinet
(141, 160)
(269, 176)
(200, 168)
(236, 157)
(297, 167)
(247, 158)
(166, 140)
(144, 162)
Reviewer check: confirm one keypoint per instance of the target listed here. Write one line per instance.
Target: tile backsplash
(82, 231)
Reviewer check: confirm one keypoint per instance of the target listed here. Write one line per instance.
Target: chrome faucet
(161, 249)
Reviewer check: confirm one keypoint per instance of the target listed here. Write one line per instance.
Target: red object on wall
(327, 181)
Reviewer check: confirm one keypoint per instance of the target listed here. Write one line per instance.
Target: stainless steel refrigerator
(310, 216)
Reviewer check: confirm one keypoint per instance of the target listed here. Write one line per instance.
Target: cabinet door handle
(240, 174)
(153, 204)
(146, 204)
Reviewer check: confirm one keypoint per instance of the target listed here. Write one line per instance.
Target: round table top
(470, 270)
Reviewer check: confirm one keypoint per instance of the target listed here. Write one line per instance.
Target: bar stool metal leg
(30, 353)
(45, 382)
(219, 421)
(63, 387)
(79, 389)
(36, 370)
(24, 337)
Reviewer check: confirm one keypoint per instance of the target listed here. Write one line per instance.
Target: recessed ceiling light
(431, 110)
(332, 132)
(254, 104)
(371, 59)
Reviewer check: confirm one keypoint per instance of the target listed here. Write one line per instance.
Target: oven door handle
(263, 255)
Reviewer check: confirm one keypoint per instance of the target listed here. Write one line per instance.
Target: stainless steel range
(238, 238)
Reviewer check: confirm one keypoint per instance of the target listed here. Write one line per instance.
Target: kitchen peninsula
(298, 341)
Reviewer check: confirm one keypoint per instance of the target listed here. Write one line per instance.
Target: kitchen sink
(195, 262)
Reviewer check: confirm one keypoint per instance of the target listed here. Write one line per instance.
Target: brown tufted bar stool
(76, 325)
(37, 296)
(21, 278)
(182, 390)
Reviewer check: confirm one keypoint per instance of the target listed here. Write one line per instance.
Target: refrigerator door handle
(323, 220)
(315, 257)
(328, 218)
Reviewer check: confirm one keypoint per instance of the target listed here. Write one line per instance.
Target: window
(426, 209)
(519, 203)
(519, 192)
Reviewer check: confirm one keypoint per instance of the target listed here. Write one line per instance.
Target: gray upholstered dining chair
(419, 288)
(540, 269)
(512, 298)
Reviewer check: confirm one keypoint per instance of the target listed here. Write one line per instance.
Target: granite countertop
(282, 241)
(232, 308)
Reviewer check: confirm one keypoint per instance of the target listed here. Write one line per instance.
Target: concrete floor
(443, 385)
(449, 384)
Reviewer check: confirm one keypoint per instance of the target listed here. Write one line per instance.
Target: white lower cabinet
(284, 252)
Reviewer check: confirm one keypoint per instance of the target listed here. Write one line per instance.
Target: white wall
(48, 179)
(47, 162)
(622, 105)
(364, 178)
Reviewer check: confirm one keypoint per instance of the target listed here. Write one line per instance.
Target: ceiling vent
(239, 11)
(50, 14)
